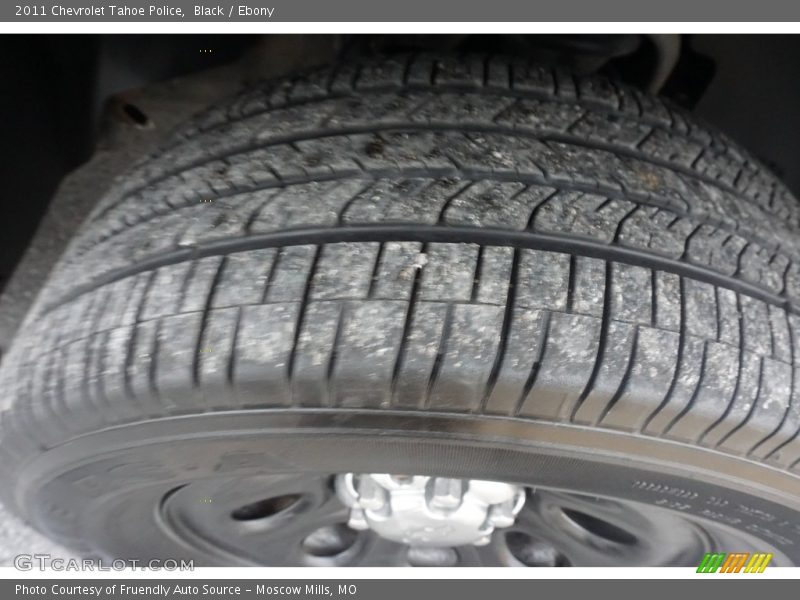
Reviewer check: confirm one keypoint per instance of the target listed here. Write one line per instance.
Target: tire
(472, 267)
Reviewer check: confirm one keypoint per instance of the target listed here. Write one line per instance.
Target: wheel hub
(424, 511)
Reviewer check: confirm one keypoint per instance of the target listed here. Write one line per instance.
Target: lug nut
(371, 496)
(446, 493)
(502, 515)
(357, 520)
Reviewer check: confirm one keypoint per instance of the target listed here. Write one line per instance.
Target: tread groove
(541, 349)
(431, 233)
(298, 330)
(737, 385)
(469, 175)
(624, 382)
(413, 298)
(505, 331)
(132, 340)
(337, 340)
(682, 333)
(601, 346)
(698, 386)
(440, 354)
(230, 370)
(206, 314)
(752, 410)
(792, 384)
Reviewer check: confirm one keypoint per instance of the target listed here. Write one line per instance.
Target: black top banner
(464, 11)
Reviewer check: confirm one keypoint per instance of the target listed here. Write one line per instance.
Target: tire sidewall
(110, 485)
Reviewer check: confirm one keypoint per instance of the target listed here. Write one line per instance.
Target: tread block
(543, 280)
(395, 273)
(388, 72)
(794, 331)
(701, 309)
(652, 371)
(682, 388)
(667, 301)
(607, 128)
(119, 294)
(589, 287)
(291, 274)
(756, 326)
(214, 354)
(315, 204)
(467, 108)
(448, 272)
(708, 245)
(713, 395)
(451, 71)
(262, 354)
(782, 343)
(314, 353)
(496, 153)
(177, 338)
(566, 364)
(630, 297)
(386, 201)
(418, 355)
(530, 77)
(369, 341)
(469, 353)
(763, 267)
(656, 230)
(748, 382)
(199, 284)
(538, 116)
(243, 278)
(614, 369)
(493, 279)
(494, 204)
(581, 214)
(42, 400)
(729, 317)
(224, 217)
(773, 449)
(140, 366)
(113, 374)
(344, 270)
(524, 346)
(767, 412)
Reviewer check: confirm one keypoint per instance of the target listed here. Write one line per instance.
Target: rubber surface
(475, 235)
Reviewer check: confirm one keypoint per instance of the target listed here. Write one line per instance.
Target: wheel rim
(122, 484)
(299, 520)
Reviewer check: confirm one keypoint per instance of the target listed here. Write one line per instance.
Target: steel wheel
(300, 520)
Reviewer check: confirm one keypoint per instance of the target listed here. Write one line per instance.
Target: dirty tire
(444, 249)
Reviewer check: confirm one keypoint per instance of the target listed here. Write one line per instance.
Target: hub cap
(429, 512)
